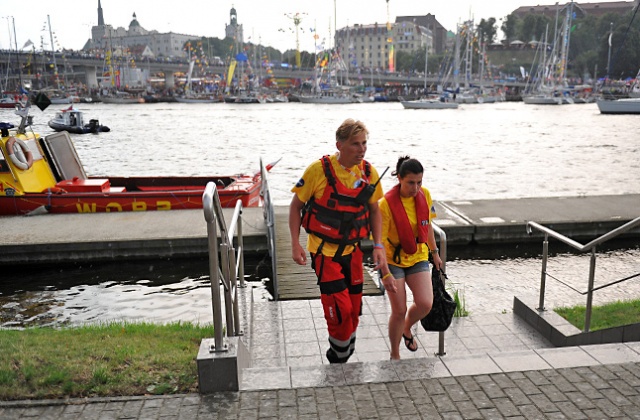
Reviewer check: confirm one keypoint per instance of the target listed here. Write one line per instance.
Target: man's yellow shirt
(313, 183)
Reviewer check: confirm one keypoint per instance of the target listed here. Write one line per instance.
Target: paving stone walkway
(594, 392)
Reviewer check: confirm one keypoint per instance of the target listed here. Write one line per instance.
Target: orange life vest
(405, 232)
(341, 215)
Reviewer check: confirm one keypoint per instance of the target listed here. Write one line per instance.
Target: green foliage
(509, 27)
(461, 304)
(614, 314)
(488, 30)
(414, 62)
(589, 41)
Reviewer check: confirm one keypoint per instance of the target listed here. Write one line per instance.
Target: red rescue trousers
(341, 296)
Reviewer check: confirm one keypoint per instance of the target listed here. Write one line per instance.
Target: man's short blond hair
(350, 128)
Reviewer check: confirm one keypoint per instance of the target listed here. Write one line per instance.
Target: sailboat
(442, 101)
(630, 105)
(634, 90)
(477, 94)
(326, 89)
(619, 106)
(242, 93)
(192, 97)
(555, 70)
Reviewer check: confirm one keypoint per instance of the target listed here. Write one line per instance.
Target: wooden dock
(299, 281)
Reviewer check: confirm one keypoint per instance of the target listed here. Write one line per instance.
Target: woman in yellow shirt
(407, 238)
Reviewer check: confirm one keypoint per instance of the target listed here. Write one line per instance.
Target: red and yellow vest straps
(405, 232)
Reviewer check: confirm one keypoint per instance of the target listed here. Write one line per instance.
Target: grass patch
(461, 304)
(100, 360)
(614, 314)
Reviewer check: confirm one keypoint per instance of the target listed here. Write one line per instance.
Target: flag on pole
(27, 44)
(610, 35)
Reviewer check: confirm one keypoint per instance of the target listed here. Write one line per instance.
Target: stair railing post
(592, 276)
(208, 198)
(543, 274)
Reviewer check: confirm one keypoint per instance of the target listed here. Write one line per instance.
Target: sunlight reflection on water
(504, 150)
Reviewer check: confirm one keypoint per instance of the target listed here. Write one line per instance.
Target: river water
(503, 150)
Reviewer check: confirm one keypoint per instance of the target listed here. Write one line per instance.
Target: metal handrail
(225, 269)
(591, 246)
(270, 220)
(443, 256)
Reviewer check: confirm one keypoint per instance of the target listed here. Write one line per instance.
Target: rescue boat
(44, 174)
(72, 120)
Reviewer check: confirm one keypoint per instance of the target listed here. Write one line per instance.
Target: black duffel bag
(441, 314)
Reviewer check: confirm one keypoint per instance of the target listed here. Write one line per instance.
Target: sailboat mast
(348, 52)
(53, 52)
(564, 52)
(456, 59)
(15, 41)
(544, 57)
(335, 21)
(468, 65)
(426, 60)
(5, 85)
(482, 58)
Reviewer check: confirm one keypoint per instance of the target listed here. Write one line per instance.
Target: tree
(509, 27)
(406, 61)
(625, 59)
(583, 52)
(528, 30)
(488, 30)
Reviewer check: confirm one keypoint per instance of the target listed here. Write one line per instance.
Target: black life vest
(341, 214)
(405, 232)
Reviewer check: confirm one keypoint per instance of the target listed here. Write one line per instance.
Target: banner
(232, 68)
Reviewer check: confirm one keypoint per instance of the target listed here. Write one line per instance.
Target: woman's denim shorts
(400, 272)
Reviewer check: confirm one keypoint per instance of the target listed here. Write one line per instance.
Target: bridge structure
(88, 70)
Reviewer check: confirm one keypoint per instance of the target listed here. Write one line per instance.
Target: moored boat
(122, 98)
(197, 99)
(333, 96)
(542, 99)
(72, 120)
(442, 102)
(45, 174)
(619, 106)
(9, 100)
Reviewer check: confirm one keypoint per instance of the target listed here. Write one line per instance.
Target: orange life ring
(22, 160)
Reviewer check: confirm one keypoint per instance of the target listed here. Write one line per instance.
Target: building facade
(429, 21)
(369, 46)
(580, 9)
(107, 38)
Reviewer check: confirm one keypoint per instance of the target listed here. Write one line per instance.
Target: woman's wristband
(386, 275)
(379, 246)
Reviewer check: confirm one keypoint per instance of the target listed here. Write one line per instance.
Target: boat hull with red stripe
(39, 174)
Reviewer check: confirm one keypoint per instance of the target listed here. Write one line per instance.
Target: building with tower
(233, 30)
(105, 37)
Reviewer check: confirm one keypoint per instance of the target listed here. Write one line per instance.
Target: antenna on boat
(41, 100)
(23, 113)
